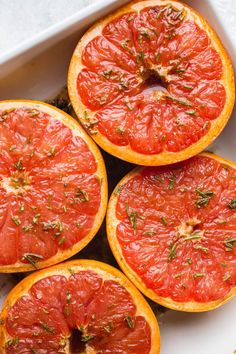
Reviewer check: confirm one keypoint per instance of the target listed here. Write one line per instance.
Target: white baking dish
(38, 69)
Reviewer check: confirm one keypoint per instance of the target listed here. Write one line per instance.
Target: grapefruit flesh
(50, 186)
(78, 308)
(173, 231)
(154, 79)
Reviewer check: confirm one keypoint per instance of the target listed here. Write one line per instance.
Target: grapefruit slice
(81, 306)
(53, 186)
(172, 230)
(152, 83)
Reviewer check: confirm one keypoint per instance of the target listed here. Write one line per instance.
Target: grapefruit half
(172, 230)
(152, 83)
(53, 186)
(81, 306)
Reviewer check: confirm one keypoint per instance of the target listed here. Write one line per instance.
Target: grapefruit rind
(106, 271)
(111, 224)
(125, 152)
(101, 173)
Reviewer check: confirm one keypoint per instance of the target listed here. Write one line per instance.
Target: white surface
(21, 20)
(182, 333)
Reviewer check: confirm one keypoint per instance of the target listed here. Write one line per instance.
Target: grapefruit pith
(78, 307)
(172, 230)
(152, 83)
(53, 186)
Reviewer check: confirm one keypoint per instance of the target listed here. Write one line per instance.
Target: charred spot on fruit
(189, 230)
(155, 79)
(78, 340)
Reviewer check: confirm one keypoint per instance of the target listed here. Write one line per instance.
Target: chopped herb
(132, 217)
(158, 57)
(191, 113)
(222, 222)
(68, 297)
(140, 57)
(205, 126)
(33, 113)
(150, 232)
(226, 277)
(47, 328)
(204, 197)
(232, 204)
(34, 351)
(178, 275)
(230, 243)
(86, 115)
(30, 257)
(71, 271)
(107, 74)
(163, 10)
(184, 103)
(172, 180)
(82, 195)
(158, 178)
(52, 152)
(129, 105)
(2, 321)
(233, 177)
(67, 311)
(19, 165)
(201, 248)
(119, 189)
(16, 220)
(103, 100)
(164, 221)
(22, 208)
(172, 253)
(124, 84)
(224, 264)
(86, 337)
(12, 342)
(144, 33)
(65, 208)
(61, 241)
(179, 71)
(27, 228)
(189, 261)
(120, 130)
(35, 218)
(108, 328)
(125, 42)
(198, 275)
(129, 322)
(192, 237)
(188, 87)
(155, 32)
(12, 148)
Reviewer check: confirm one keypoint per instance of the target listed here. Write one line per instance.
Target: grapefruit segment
(53, 186)
(152, 83)
(80, 306)
(172, 230)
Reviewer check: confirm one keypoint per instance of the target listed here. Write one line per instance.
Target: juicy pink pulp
(177, 229)
(103, 312)
(154, 79)
(48, 188)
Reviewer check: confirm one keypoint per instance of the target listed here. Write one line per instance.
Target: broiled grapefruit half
(152, 83)
(172, 230)
(81, 306)
(53, 186)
